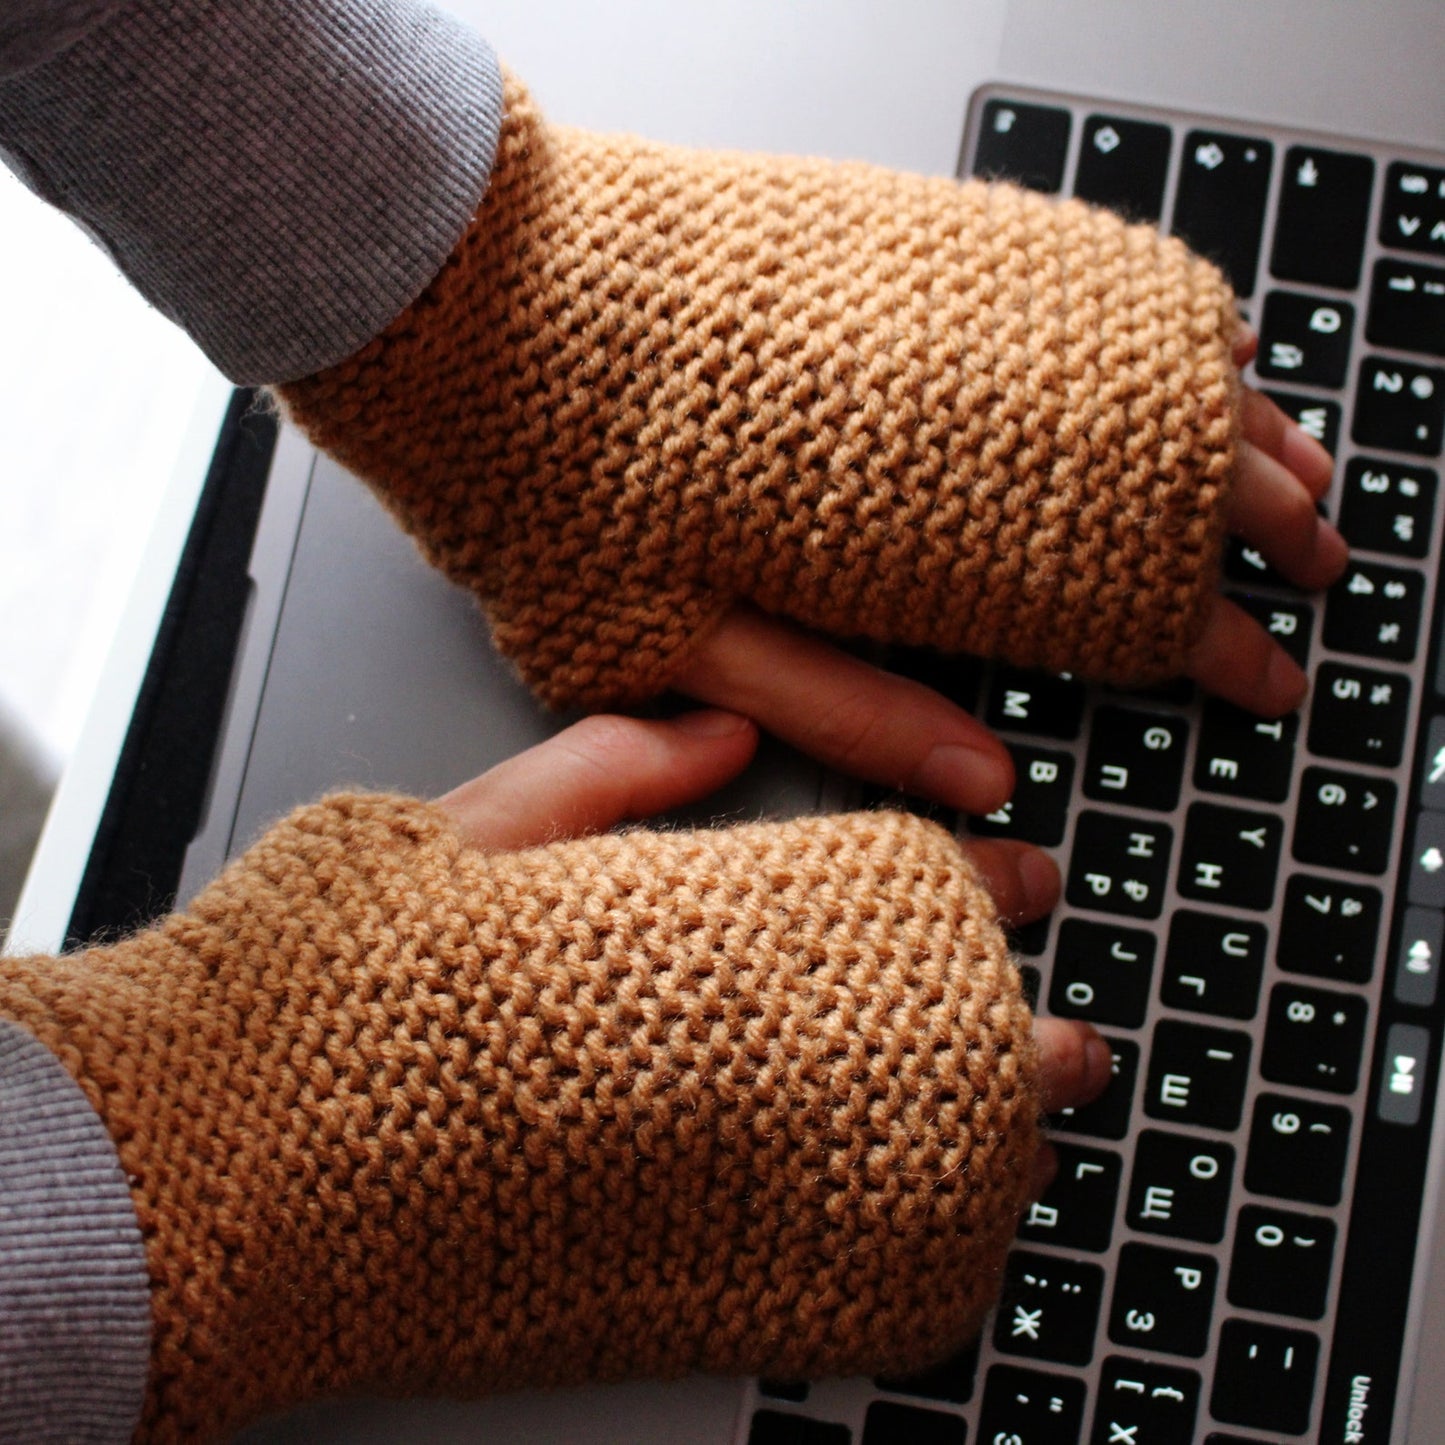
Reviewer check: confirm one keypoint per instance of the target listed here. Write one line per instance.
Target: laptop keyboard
(1254, 911)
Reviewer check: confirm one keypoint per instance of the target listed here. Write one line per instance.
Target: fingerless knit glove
(399, 1115)
(651, 382)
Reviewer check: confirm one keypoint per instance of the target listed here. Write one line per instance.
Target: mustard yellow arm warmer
(650, 383)
(397, 1115)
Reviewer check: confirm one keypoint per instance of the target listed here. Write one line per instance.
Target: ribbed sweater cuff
(75, 1314)
(280, 179)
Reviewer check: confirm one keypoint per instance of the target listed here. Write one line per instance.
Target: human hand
(887, 729)
(607, 770)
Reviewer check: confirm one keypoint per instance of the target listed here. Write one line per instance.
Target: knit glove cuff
(398, 1114)
(650, 383)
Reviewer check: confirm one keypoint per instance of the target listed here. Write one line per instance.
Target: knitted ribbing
(403, 1116)
(650, 382)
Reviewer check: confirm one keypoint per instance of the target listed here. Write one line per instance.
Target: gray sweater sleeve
(281, 178)
(74, 1292)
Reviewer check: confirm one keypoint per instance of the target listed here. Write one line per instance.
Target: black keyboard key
(1144, 1403)
(1388, 506)
(1426, 884)
(1359, 715)
(1213, 964)
(1297, 1149)
(1119, 864)
(1287, 621)
(1229, 856)
(1049, 1308)
(1135, 758)
(1223, 186)
(1413, 216)
(1322, 217)
(1432, 778)
(1243, 563)
(1305, 339)
(1314, 1038)
(1400, 406)
(951, 1380)
(1029, 1407)
(1399, 1100)
(1023, 143)
(1197, 1075)
(1243, 755)
(773, 1427)
(795, 1391)
(1077, 1211)
(1180, 1186)
(1329, 929)
(1319, 419)
(1038, 810)
(1035, 702)
(1123, 165)
(1417, 957)
(1374, 610)
(1108, 1116)
(1163, 1300)
(1344, 820)
(959, 679)
(889, 1423)
(1281, 1262)
(1407, 307)
(1265, 1376)
(1101, 973)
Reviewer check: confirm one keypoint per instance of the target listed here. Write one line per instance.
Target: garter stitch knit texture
(650, 382)
(398, 1115)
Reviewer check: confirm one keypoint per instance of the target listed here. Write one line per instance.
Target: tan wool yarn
(399, 1115)
(650, 383)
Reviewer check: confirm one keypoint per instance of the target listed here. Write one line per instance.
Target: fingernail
(710, 723)
(965, 778)
(1039, 879)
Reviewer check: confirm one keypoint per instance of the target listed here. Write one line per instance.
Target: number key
(1329, 929)
(1344, 821)
(1388, 507)
(1314, 1038)
(1400, 406)
(1359, 715)
(1281, 1262)
(1375, 611)
(1297, 1149)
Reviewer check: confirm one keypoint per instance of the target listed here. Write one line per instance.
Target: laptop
(1242, 1244)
